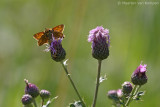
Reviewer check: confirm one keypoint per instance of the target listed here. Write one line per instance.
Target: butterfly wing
(58, 31)
(42, 40)
(58, 35)
(58, 28)
(37, 36)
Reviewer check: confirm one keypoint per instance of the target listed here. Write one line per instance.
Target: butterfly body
(47, 35)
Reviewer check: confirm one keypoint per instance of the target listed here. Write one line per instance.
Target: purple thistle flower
(57, 51)
(139, 75)
(100, 42)
(31, 89)
(27, 99)
(127, 88)
(45, 94)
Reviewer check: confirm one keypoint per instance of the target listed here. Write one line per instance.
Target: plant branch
(34, 103)
(97, 84)
(70, 79)
(138, 87)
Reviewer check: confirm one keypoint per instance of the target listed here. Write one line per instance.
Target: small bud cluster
(117, 95)
(122, 96)
(31, 92)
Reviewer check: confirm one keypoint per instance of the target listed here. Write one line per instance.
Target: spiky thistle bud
(126, 88)
(139, 75)
(27, 99)
(100, 42)
(57, 52)
(112, 94)
(45, 94)
(31, 89)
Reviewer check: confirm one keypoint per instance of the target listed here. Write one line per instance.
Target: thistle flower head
(100, 39)
(27, 99)
(126, 88)
(31, 89)
(139, 75)
(99, 34)
(45, 94)
(57, 52)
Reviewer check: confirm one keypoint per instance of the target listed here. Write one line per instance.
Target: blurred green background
(134, 33)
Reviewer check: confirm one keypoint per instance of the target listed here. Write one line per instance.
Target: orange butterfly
(46, 36)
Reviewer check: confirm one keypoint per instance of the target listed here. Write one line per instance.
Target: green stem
(123, 100)
(34, 103)
(131, 95)
(138, 87)
(69, 77)
(42, 102)
(97, 84)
